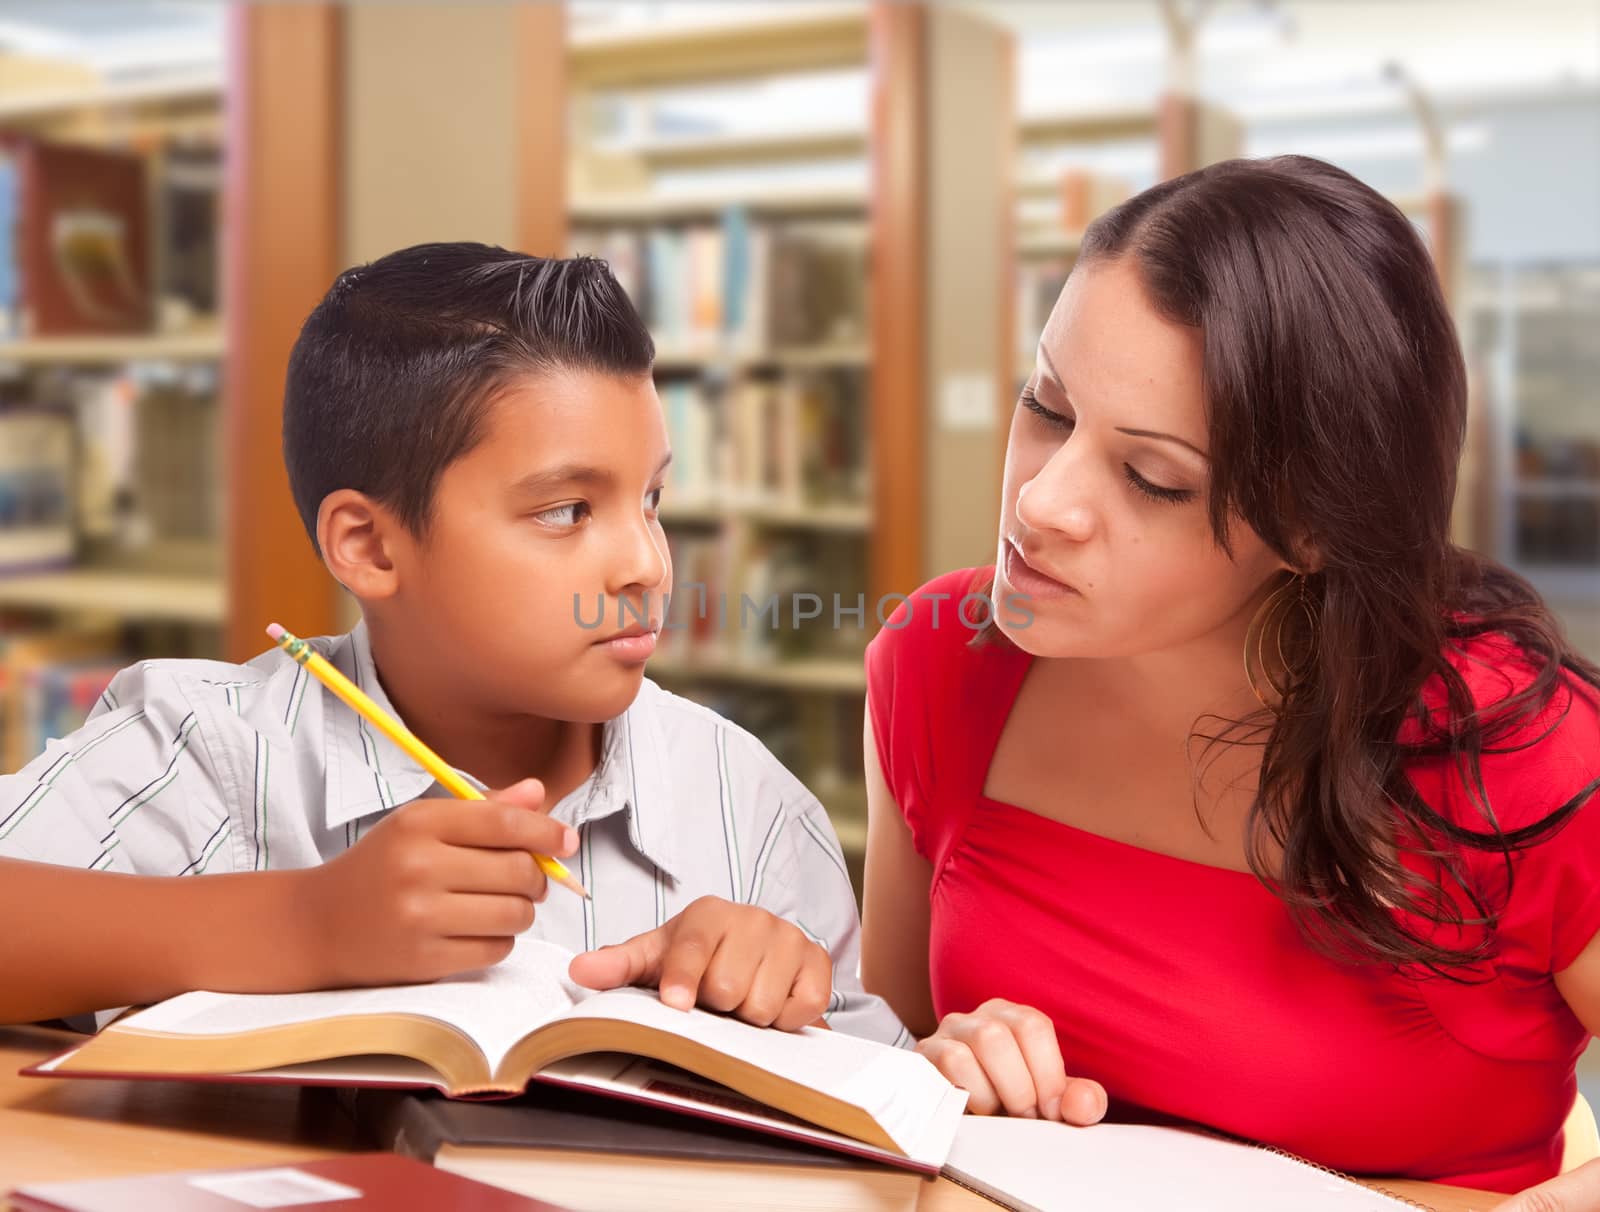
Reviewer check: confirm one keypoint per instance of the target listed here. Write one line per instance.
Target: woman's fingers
(1083, 1103)
(1041, 1051)
(955, 1060)
(994, 1044)
(1575, 1191)
(1007, 1057)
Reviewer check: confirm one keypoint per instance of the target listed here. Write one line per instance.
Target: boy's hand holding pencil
(437, 888)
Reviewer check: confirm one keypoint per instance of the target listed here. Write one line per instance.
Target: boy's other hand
(726, 957)
(439, 887)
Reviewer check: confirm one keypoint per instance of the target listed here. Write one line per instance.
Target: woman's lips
(1028, 580)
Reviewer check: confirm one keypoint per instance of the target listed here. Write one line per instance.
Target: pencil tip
(572, 883)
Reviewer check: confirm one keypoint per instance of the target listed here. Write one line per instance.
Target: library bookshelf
(787, 275)
(177, 518)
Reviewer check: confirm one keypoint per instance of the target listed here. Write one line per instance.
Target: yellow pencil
(403, 737)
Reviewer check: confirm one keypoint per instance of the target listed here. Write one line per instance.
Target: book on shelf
(692, 421)
(740, 287)
(37, 473)
(745, 268)
(109, 466)
(188, 221)
(492, 1032)
(601, 1155)
(109, 428)
(178, 488)
(75, 243)
(49, 682)
(819, 276)
(792, 444)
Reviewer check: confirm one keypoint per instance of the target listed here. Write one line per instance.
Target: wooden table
(55, 1130)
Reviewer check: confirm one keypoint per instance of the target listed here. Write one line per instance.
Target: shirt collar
(632, 778)
(368, 773)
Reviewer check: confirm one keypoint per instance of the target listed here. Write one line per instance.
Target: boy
(476, 449)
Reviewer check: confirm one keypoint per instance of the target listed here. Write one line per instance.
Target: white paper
(279, 1188)
(1043, 1166)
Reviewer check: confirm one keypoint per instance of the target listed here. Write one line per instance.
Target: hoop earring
(1271, 616)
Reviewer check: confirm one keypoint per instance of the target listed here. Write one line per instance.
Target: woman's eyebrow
(1132, 433)
(1164, 437)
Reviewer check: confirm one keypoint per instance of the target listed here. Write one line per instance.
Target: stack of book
(625, 1103)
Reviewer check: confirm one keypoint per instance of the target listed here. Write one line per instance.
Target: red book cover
(82, 241)
(344, 1184)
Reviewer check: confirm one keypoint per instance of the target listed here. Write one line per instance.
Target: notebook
(492, 1032)
(376, 1182)
(594, 1154)
(1031, 1165)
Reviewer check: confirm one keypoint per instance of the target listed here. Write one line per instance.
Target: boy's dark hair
(389, 380)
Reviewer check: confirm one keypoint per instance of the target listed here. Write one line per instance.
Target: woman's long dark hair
(1337, 401)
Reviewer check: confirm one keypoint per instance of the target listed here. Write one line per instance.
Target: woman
(1268, 808)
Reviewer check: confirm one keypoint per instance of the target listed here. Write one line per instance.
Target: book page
(661, 1084)
(1033, 1165)
(496, 1006)
(901, 1090)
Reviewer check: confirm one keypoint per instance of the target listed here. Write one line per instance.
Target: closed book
(374, 1181)
(596, 1155)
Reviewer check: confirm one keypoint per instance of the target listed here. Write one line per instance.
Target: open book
(492, 1032)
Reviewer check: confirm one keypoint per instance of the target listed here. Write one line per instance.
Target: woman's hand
(1006, 1058)
(1577, 1190)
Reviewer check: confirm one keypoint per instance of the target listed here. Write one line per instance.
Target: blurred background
(845, 224)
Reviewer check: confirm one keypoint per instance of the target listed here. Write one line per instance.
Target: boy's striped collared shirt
(195, 767)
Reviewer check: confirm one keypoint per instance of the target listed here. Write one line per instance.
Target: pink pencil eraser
(275, 630)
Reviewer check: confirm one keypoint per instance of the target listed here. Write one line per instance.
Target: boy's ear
(356, 535)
